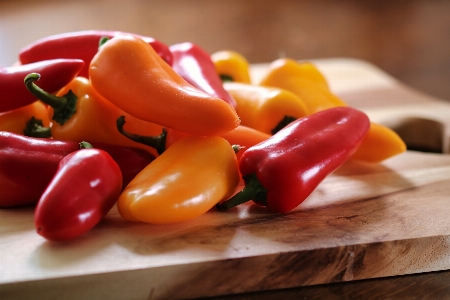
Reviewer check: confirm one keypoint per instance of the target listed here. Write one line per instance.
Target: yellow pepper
(231, 66)
(304, 80)
(184, 182)
(16, 120)
(79, 113)
(379, 144)
(266, 109)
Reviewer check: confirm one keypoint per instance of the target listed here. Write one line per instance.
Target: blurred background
(410, 40)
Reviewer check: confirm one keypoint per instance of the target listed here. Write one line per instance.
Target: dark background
(408, 39)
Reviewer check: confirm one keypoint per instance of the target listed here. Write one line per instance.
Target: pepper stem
(35, 128)
(253, 190)
(157, 142)
(85, 145)
(285, 121)
(64, 107)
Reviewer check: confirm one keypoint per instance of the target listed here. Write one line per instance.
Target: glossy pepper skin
(28, 164)
(380, 143)
(231, 66)
(80, 45)
(17, 120)
(242, 137)
(79, 113)
(130, 74)
(195, 65)
(266, 109)
(184, 182)
(85, 187)
(304, 80)
(56, 72)
(281, 172)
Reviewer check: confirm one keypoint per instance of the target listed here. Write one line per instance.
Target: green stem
(226, 78)
(64, 107)
(285, 121)
(35, 128)
(157, 142)
(253, 190)
(85, 145)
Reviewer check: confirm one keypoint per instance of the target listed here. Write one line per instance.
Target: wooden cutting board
(364, 221)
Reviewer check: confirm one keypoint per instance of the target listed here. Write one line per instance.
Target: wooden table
(362, 225)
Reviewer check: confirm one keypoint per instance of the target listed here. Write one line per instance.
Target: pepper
(130, 74)
(18, 120)
(304, 80)
(242, 137)
(195, 65)
(266, 109)
(28, 164)
(81, 45)
(231, 66)
(56, 72)
(184, 182)
(81, 114)
(281, 172)
(380, 143)
(84, 189)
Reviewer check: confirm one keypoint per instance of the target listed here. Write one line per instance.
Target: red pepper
(80, 44)
(196, 67)
(85, 187)
(281, 172)
(56, 73)
(28, 164)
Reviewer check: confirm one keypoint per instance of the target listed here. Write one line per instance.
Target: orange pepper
(242, 136)
(231, 66)
(304, 80)
(184, 182)
(266, 109)
(79, 113)
(132, 76)
(379, 144)
(16, 120)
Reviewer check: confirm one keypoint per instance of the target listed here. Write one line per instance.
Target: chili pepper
(281, 172)
(184, 182)
(130, 74)
(82, 45)
(57, 73)
(85, 187)
(304, 80)
(380, 143)
(242, 136)
(28, 164)
(266, 109)
(195, 65)
(18, 120)
(231, 66)
(81, 114)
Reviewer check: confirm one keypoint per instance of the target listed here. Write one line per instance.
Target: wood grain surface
(365, 221)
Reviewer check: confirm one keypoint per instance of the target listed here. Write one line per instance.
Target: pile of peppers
(93, 119)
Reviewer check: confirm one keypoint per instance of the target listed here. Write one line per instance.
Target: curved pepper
(281, 172)
(380, 143)
(81, 45)
(195, 65)
(266, 109)
(17, 120)
(184, 182)
(28, 164)
(304, 80)
(242, 137)
(85, 187)
(56, 72)
(130, 74)
(231, 66)
(81, 114)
